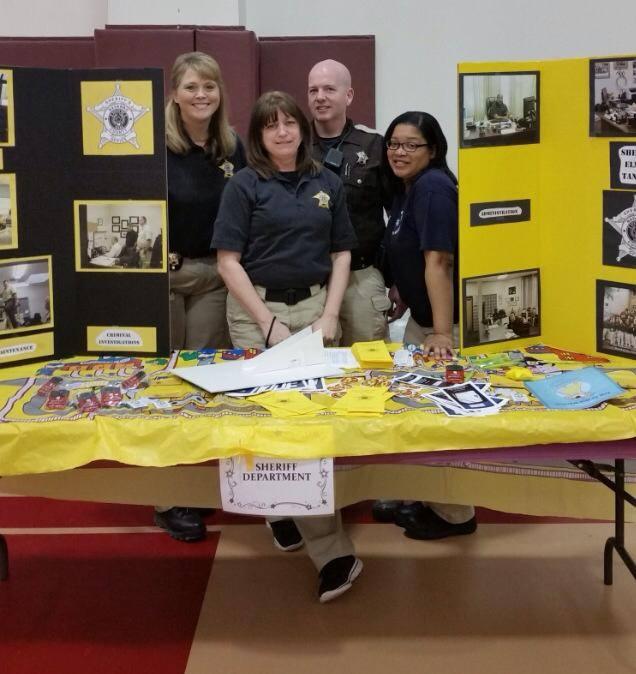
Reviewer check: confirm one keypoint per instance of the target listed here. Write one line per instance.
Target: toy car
(49, 385)
(87, 402)
(57, 400)
(134, 380)
(110, 396)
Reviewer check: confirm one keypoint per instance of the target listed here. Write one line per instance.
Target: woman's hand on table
(438, 345)
(329, 326)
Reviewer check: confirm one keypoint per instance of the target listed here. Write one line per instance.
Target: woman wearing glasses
(421, 244)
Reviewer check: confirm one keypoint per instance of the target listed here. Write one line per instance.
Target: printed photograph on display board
(501, 307)
(117, 118)
(613, 96)
(623, 165)
(102, 245)
(616, 318)
(499, 212)
(8, 212)
(25, 294)
(499, 109)
(619, 228)
(7, 135)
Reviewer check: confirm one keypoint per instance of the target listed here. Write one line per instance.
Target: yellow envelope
(287, 403)
(372, 354)
(363, 399)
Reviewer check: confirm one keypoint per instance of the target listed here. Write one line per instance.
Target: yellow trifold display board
(531, 183)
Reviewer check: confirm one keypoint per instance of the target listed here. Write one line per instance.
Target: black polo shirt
(424, 218)
(367, 189)
(285, 229)
(195, 184)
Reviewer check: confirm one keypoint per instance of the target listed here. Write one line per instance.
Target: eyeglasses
(409, 146)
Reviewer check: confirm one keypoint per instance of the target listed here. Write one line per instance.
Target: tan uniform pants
(364, 307)
(197, 306)
(324, 536)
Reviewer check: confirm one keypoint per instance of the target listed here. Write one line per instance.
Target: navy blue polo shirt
(284, 228)
(195, 183)
(423, 219)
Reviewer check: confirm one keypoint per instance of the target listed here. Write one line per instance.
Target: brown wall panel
(285, 63)
(236, 51)
(43, 52)
(127, 48)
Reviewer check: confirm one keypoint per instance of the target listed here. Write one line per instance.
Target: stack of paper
(362, 401)
(287, 404)
(372, 355)
(301, 356)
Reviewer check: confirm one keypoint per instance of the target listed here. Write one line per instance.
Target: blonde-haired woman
(203, 154)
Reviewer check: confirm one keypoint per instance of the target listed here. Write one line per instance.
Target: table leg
(617, 542)
(4, 558)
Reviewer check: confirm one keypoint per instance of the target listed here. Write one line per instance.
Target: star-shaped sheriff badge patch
(323, 199)
(625, 224)
(115, 119)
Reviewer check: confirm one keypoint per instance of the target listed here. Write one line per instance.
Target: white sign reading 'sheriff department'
(283, 487)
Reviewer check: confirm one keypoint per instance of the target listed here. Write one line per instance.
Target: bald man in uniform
(353, 152)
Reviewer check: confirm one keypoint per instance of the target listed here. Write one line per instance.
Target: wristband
(269, 332)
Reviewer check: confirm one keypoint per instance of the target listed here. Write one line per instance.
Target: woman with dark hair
(203, 154)
(284, 238)
(421, 246)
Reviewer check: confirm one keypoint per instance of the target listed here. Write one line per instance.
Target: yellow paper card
(287, 403)
(363, 399)
(374, 353)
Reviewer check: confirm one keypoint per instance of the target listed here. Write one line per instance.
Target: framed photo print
(499, 108)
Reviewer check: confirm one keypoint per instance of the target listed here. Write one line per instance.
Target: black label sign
(497, 212)
(623, 165)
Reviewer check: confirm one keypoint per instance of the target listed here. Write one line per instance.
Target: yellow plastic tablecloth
(199, 426)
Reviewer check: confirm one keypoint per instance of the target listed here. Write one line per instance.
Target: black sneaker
(337, 576)
(286, 535)
(430, 526)
(183, 524)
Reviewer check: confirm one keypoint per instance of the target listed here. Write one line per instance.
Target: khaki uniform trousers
(455, 514)
(197, 306)
(364, 307)
(324, 536)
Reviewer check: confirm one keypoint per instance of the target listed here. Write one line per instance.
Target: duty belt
(289, 296)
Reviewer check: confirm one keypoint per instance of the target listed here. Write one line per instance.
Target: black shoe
(384, 511)
(183, 524)
(337, 576)
(408, 514)
(286, 535)
(430, 526)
